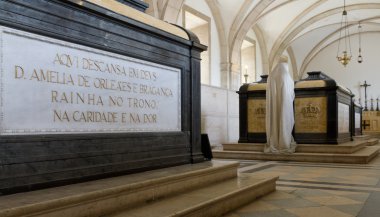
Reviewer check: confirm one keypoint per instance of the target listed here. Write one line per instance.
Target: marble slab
(49, 86)
(311, 115)
(343, 118)
(256, 115)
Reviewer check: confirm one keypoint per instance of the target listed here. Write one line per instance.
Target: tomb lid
(316, 79)
(264, 79)
(136, 4)
(358, 105)
(139, 16)
(260, 85)
(255, 86)
(345, 89)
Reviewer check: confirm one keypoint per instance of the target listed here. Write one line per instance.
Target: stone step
(361, 137)
(209, 201)
(362, 156)
(243, 147)
(373, 141)
(101, 197)
(372, 134)
(344, 148)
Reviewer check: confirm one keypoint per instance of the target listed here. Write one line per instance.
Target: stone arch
(169, 9)
(315, 50)
(277, 43)
(329, 44)
(285, 43)
(217, 17)
(263, 48)
(258, 33)
(238, 19)
(275, 8)
(152, 10)
(237, 39)
(293, 62)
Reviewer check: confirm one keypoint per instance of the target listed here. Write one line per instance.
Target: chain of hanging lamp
(345, 57)
(360, 58)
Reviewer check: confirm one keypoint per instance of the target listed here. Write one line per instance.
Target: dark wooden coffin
(252, 110)
(29, 162)
(322, 111)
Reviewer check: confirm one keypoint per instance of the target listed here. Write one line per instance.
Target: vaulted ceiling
(304, 26)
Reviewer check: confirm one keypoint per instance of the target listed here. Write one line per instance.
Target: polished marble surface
(115, 184)
(208, 197)
(200, 190)
(303, 189)
(355, 152)
(315, 190)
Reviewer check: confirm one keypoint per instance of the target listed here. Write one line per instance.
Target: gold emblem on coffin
(256, 115)
(311, 111)
(311, 115)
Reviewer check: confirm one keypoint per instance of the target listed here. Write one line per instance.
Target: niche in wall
(248, 60)
(199, 24)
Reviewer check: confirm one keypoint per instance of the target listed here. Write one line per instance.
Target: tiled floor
(316, 190)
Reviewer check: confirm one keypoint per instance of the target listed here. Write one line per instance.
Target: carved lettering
(89, 90)
(61, 116)
(76, 98)
(19, 72)
(311, 111)
(311, 115)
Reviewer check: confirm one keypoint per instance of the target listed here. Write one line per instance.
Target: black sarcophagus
(322, 111)
(252, 110)
(92, 91)
(357, 112)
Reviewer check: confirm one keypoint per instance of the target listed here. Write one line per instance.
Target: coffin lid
(127, 11)
(356, 104)
(318, 79)
(260, 85)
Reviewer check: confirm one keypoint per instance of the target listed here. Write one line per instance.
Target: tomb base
(322, 111)
(204, 189)
(252, 110)
(357, 152)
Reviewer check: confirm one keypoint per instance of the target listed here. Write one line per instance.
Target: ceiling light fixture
(360, 58)
(345, 57)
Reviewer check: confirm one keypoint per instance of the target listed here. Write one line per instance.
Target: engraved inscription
(311, 115)
(256, 115)
(52, 86)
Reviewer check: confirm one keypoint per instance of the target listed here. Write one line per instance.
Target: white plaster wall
(247, 60)
(230, 8)
(219, 106)
(220, 114)
(233, 116)
(259, 63)
(354, 73)
(202, 7)
(203, 36)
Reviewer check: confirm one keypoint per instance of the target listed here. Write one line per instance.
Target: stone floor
(316, 190)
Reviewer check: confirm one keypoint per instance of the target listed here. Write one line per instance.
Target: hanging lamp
(345, 56)
(360, 57)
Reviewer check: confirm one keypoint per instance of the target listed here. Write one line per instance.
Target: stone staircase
(358, 151)
(205, 189)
